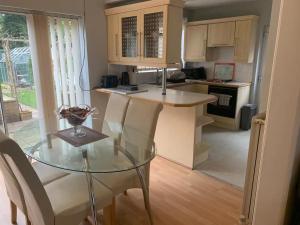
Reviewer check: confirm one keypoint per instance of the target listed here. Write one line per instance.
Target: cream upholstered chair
(140, 121)
(56, 203)
(46, 175)
(115, 115)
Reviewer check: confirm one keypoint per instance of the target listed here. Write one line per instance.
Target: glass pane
(1, 116)
(16, 74)
(129, 36)
(153, 37)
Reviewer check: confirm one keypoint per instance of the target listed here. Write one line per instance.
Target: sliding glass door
(18, 89)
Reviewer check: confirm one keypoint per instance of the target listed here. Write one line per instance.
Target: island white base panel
(178, 135)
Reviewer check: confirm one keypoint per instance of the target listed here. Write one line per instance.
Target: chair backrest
(38, 205)
(115, 115)
(13, 188)
(139, 128)
(140, 123)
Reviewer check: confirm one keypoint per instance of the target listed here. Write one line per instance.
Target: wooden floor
(179, 196)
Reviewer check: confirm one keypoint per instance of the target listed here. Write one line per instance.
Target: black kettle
(125, 78)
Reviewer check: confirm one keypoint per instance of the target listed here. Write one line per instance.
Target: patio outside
(16, 76)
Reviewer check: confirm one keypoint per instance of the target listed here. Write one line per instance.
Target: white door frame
(281, 146)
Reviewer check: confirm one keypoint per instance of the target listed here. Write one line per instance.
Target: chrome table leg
(90, 189)
(92, 197)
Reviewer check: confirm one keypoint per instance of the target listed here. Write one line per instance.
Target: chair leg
(109, 213)
(13, 212)
(28, 221)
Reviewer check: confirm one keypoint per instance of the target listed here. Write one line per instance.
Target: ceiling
(206, 3)
(192, 3)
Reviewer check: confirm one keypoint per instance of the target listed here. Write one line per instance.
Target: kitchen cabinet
(130, 36)
(245, 36)
(221, 34)
(113, 38)
(149, 33)
(243, 93)
(195, 43)
(154, 26)
(237, 32)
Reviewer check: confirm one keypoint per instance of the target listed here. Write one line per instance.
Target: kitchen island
(178, 134)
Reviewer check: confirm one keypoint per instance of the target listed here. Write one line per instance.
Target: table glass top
(133, 149)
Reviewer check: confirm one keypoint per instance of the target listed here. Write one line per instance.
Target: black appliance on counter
(109, 81)
(195, 73)
(225, 106)
(125, 78)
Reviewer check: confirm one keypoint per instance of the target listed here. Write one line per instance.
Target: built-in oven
(226, 104)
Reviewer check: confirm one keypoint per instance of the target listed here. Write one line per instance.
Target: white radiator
(254, 156)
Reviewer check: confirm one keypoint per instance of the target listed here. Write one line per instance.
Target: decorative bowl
(75, 116)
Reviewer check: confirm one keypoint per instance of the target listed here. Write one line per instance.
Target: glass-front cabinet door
(130, 40)
(154, 21)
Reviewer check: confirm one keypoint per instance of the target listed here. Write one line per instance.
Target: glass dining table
(127, 149)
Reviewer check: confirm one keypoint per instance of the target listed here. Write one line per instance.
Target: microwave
(195, 73)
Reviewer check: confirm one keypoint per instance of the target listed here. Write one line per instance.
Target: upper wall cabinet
(113, 37)
(147, 33)
(245, 36)
(195, 43)
(130, 36)
(236, 32)
(221, 34)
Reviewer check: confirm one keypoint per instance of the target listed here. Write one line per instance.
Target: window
(66, 60)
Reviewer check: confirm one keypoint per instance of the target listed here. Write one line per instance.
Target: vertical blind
(66, 60)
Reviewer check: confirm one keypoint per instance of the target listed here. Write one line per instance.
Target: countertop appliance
(109, 81)
(195, 73)
(226, 104)
(125, 78)
(177, 77)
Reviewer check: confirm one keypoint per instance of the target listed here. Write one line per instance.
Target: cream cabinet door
(195, 43)
(130, 37)
(113, 38)
(245, 35)
(221, 34)
(153, 34)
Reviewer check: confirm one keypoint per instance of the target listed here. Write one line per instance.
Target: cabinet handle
(141, 53)
(138, 44)
(204, 48)
(117, 45)
(236, 44)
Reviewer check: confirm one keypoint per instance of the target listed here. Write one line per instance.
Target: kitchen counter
(225, 84)
(173, 98)
(178, 135)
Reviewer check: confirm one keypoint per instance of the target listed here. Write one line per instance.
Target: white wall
(281, 155)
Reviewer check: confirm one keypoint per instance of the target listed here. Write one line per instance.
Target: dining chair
(115, 115)
(61, 202)
(46, 175)
(139, 130)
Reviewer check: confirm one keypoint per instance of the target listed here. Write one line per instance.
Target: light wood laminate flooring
(179, 196)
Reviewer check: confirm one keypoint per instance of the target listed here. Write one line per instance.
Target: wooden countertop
(227, 84)
(173, 98)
